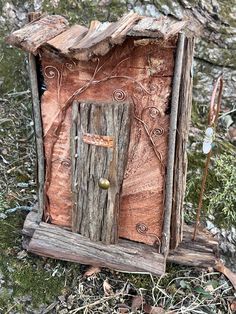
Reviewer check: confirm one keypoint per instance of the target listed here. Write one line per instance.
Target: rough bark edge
(171, 145)
(37, 127)
(180, 167)
(136, 257)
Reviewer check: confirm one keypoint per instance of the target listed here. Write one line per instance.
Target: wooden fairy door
(100, 138)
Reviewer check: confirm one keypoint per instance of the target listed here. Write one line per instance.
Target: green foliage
(3, 203)
(219, 197)
(222, 198)
(83, 12)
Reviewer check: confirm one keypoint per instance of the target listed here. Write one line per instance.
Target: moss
(28, 276)
(12, 68)
(215, 187)
(36, 282)
(84, 12)
(10, 235)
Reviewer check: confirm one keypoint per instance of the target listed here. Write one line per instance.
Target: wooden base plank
(55, 242)
(52, 241)
(203, 252)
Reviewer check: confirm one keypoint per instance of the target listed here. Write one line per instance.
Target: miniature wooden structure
(115, 96)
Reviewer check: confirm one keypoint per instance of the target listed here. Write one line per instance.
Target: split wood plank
(55, 242)
(38, 32)
(33, 74)
(200, 253)
(162, 28)
(102, 138)
(101, 37)
(82, 44)
(171, 144)
(67, 39)
(74, 156)
(30, 223)
(181, 161)
(52, 241)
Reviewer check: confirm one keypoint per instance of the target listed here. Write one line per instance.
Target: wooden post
(74, 156)
(180, 167)
(37, 126)
(102, 151)
(171, 145)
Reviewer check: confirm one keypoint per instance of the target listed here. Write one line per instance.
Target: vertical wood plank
(103, 137)
(171, 144)
(180, 168)
(74, 144)
(37, 126)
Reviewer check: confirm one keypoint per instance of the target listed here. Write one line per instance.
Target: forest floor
(32, 284)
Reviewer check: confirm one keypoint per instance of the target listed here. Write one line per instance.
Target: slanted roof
(78, 42)
(33, 35)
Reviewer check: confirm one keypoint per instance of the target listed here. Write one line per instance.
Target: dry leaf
(107, 288)
(227, 272)
(153, 309)
(123, 308)
(91, 271)
(233, 306)
(137, 302)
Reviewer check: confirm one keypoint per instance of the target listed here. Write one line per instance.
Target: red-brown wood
(38, 32)
(122, 76)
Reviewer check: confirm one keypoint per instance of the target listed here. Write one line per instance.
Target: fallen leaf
(123, 308)
(227, 272)
(137, 302)
(91, 271)
(153, 309)
(233, 306)
(107, 288)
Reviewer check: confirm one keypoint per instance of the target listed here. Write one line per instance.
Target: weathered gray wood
(103, 138)
(201, 253)
(101, 37)
(171, 145)
(67, 39)
(30, 224)
(38, 32)
(162, 27)
(180, 168)
(74, 155)
(38, 128)
(52, 241)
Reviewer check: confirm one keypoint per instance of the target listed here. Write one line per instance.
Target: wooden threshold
(52, 241)
(203, 252)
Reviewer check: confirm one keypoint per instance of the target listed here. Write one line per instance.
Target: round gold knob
(104, 183)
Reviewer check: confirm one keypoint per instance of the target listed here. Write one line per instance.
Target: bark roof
(82, 43)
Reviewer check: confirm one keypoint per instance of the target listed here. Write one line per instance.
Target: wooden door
(100, 142)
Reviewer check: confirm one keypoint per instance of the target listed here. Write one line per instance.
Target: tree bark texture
(181, 161)
(171, 144)
(101, 141)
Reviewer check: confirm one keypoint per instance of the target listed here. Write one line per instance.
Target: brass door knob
(104, 183)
